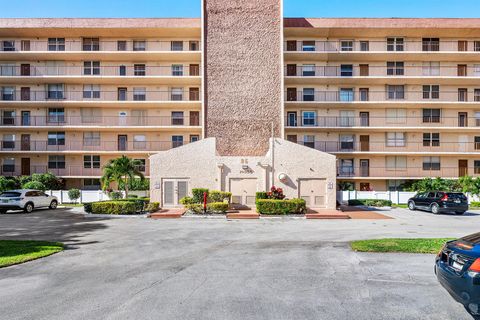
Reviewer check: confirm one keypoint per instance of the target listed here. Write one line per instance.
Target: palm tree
(121, 169)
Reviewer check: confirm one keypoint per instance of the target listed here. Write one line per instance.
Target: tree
(121, 170)
(74, 194)
(7, 183)
(36, 185)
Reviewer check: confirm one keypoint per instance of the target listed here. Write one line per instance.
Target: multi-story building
(393, 99)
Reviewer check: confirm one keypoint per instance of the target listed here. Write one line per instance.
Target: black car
(439, 201)
(457, 267)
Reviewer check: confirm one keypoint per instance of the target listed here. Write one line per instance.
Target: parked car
(26, 200)
(457, 267)
(439, 201)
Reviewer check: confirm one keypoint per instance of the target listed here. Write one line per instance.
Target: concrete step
(167, 214)
(243, 215)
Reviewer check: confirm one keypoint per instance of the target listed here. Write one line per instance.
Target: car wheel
(411, 205)
(53, 205)
(459, 212)
(28, 207)
(435, 208)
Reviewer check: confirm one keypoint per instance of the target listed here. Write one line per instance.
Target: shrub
(114, 207)
(74, 194)
(261, 195)
(475, 204)
(217, 207)
(37, 185)
(153, 207)
(7, 183)
(49, 180)
(140, 204)
(87, 207)
(219, 196)
(115, 195)
(281, 207)
(197, 194)
(196, 208)
(132, 196)
(275, 193)
(186, 200)
(370, 202)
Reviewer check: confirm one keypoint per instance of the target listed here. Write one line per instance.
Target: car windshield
(10, 194)
(460, 196)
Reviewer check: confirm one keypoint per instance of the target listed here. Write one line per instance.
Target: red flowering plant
(275, 193)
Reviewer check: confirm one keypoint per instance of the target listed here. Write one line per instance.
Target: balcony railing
(100, 95)
(432, 121)
(69, 170)
(350, 70)
(398, 93)
(392, 146)
(88, 145)
(98, 120)
(346, 46)
(118, 70)
(100, 45)
(407, 172)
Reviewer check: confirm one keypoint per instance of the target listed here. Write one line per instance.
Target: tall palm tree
(121, 169)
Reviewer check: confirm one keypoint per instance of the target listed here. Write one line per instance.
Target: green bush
(140, 204)
(114, 207)
(370, 202)
(261, 195)
(281, 207)
(37, 185)
(8, 183)
(115, 195)
(87, 207)
(186, 200)
(219, 196)
(74, 194)
(197, 194)
(196, 208)
(475, 204)
(217, 207)
(153, 207)
(132, 196)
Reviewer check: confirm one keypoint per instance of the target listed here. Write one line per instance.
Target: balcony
(411, 172)
(99, 146)
(68, 171)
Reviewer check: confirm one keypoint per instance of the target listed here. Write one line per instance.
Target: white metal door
(313, 191)
(243, 191)
(173, 191)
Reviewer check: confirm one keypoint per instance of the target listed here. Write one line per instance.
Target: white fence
(89, 195)
(397, 197)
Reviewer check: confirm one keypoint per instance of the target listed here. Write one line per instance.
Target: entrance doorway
(313, 191)
(173, 191)
(243, 191)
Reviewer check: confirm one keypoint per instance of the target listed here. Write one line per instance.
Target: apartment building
(393, 100)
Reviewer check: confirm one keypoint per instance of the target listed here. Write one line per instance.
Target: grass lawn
(401, 205)
(71, 205)
(19, 251)
(400, 245)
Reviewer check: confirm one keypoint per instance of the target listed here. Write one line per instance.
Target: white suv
(26, 200)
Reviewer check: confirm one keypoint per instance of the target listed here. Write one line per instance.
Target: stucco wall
(242, 74)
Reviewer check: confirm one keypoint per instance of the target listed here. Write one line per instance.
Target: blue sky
(191, 8)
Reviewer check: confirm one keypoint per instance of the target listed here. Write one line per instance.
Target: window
(308, 94)
(346, 70)
(91, 44)
(56, 138)
(25, 45)
(139, 94)
(91, 91)
(8, 45)
(364, 94)
(431, 115)
(91, 138)
(476, 165)
(55, 68)
(395, 44)
(431, 92)
(177, 141)
(8, 93)
(56, 162)
(8, 141)
(395, 139)
(462, 94)
(431, 44)
(8, 165)
(141, 167)
(431, 163)
(308, 70)
(309, 141)
(431, 139)
(346, 94)
(122, 70)
(91, 115)
(8, 117)
(7, 69)
(346, 167)
(347, 141)
(477, 118)
(91, 68)
(139, 69)
(56, 115)
(309, 118)
(395, 92)
(476, 46)
(122, 94)
(308, 45)
(395, 68)
(346, 45)
(364, 46)
(194, 137)
(139, 117)
(291, 119)
(139, 45)
(476, 142)
(476, 95)
(193, 45)
(431, 68)
(177, 118)
(396, 163)
(177, 70)
(91, 184)
(176, 94)
(122, 45)
(55, 91)
(177, 45)
(56, 44)
(347, 118)
(476, 70)
(139, 142)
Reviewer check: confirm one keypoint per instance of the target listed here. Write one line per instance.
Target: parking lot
(196, 268)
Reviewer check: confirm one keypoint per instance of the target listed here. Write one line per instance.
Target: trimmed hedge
(114, 207)
(196, 208)
(186, 200)
(281, 207)
(115, 195)
(131, 196)
(370, 202)
(87, 207)
(475, 204)
(140, 204)
(261, 195)
(197, 194)
(217, 207)
(218, 196)
(153, 207)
